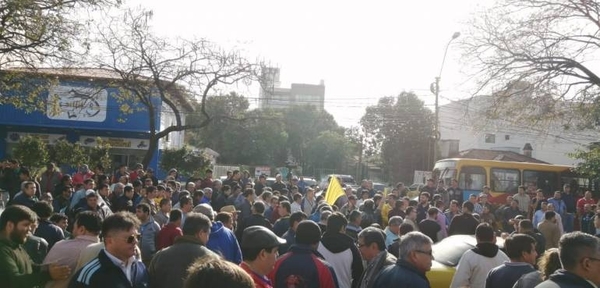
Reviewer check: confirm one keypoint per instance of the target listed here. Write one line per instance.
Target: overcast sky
(362, 50)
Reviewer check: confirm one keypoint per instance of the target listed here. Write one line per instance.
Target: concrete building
(463, 127)
(272, 95)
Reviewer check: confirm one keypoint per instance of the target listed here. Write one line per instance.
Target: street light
(435, 89)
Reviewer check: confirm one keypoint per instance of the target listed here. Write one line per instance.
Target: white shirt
(296, 207)
(125, 266)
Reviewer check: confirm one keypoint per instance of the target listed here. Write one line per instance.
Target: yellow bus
(504, 177)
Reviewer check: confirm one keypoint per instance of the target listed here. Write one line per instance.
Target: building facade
(272, 95)
(82, 106)
(463, 127)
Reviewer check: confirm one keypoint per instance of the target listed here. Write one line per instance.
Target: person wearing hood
(474, 265)
(340, 251)
(222, 240)
(579, 254)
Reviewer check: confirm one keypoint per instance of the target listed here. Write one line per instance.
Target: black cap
(308, 232)
(260, 237)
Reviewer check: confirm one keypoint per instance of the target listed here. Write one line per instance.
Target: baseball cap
(205, 209)
(260, 237)
(230, 209)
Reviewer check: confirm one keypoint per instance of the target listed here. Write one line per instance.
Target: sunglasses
(133, 238)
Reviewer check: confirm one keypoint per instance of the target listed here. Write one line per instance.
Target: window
(490, 138)
(471, 178)
(505, 180)
(547, 181)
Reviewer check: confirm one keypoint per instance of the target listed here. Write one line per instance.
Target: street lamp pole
(436, 90)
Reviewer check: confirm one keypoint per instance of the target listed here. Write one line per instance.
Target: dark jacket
(302, 267)
(223, 242)
(253, 220)
(102, 272)
(282, 225)
(22, 199)
(50, 232)
(16, 269)
(336, 245)
(564, 279)
(383, 260)
(169, 266)
(37, 248)
(464, 224)
(401, 275)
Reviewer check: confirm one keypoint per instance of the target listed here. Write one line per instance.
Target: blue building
(82, 106)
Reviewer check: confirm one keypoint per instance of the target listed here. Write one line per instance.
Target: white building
(463, 127)
(272, 95)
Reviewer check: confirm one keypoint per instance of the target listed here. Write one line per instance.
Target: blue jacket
(401, 275)
(302, 267)
(102, 272)
(223, 242)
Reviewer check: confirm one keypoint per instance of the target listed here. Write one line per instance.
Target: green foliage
(31, 152)
(403, 129)
(330, 150)
(589, 166)
(100, 154)
(186, 160)
(65, 153)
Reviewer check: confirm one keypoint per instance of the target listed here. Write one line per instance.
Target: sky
(361, 50)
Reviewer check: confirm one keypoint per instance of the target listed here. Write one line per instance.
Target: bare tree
(538, 58)
(158, 71)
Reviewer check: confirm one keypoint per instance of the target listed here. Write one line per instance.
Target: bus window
(471, 178)
(547, 181)
(505, 180)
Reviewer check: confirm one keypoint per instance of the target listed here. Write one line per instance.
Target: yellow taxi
(446, 255)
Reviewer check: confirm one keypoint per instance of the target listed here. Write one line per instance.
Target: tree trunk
(152, 146)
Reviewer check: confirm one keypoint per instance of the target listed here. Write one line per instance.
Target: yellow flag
(334, 191)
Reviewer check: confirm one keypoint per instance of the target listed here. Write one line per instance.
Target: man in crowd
(16, 267)
(27, 196)
(302, 266)
(257, 218)
(290, 235)
(409, 271)
(465, 223)
(520, 248)
(167, 235)
(373, 250)
(283, 223)
(524, 201)
(339, 250)
(309, 201)
(221, 240)
(392, 231)
(474, 265)
(570, 208)
(259, 247)
(579, 254)
(169, 266)
(86, 230)
(549, 228)
(46, 229)
(120, 233)
(430, 226)
(353, 227)
(148, 231)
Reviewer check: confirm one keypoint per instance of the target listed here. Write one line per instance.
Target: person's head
(405, 228)
(468, 207)
(549, 263)
(483, 198)
(142, 211)
(454, 183)
(580, 254)
(28, 188)
(411, 213)
(454, 206)
(550, 207)
(120, 235)
(89, 184)
(296, 218)
(324, 216)
(544, 205)
(212, 271)
(186, 203)
(175, 216)
(473, 198)
(521, 190)
(550, 216)
(371, 241)
(91, 199)
(521, 248)
(226, 218)
(424, 197)
(258, 207)
(285, 208)
(197, 225)
(567, 188)
(415, 247)
(61, 220)
(432, 213)
(430, 183)
(87, 223)
(336, 223)
(15, 223)
(128, 192)
(165, 205)
(557, 195)
(308, 233)
(394, 224)
(42, 209)
(525, 225)
(484, 233)
(260, 248)
(355, 217)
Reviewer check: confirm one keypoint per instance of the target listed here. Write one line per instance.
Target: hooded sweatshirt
(474, 265)
(223, 242)
(340, 251)
(565, 279)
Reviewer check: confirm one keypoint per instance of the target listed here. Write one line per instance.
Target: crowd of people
(128, 229)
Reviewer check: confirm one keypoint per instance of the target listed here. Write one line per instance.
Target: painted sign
(259, 170)
(76, 103)
(128, 143)
(14, 137)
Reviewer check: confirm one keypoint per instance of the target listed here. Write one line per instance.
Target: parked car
(346, 179)
(446, 254)
(379, 187)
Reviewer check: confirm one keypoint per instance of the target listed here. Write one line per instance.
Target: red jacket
(167, 235)
(259, 281)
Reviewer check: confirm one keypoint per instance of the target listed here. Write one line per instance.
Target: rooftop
(498, 155)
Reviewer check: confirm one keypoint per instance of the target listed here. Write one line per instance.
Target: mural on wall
(114, 142)
(75, 103)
